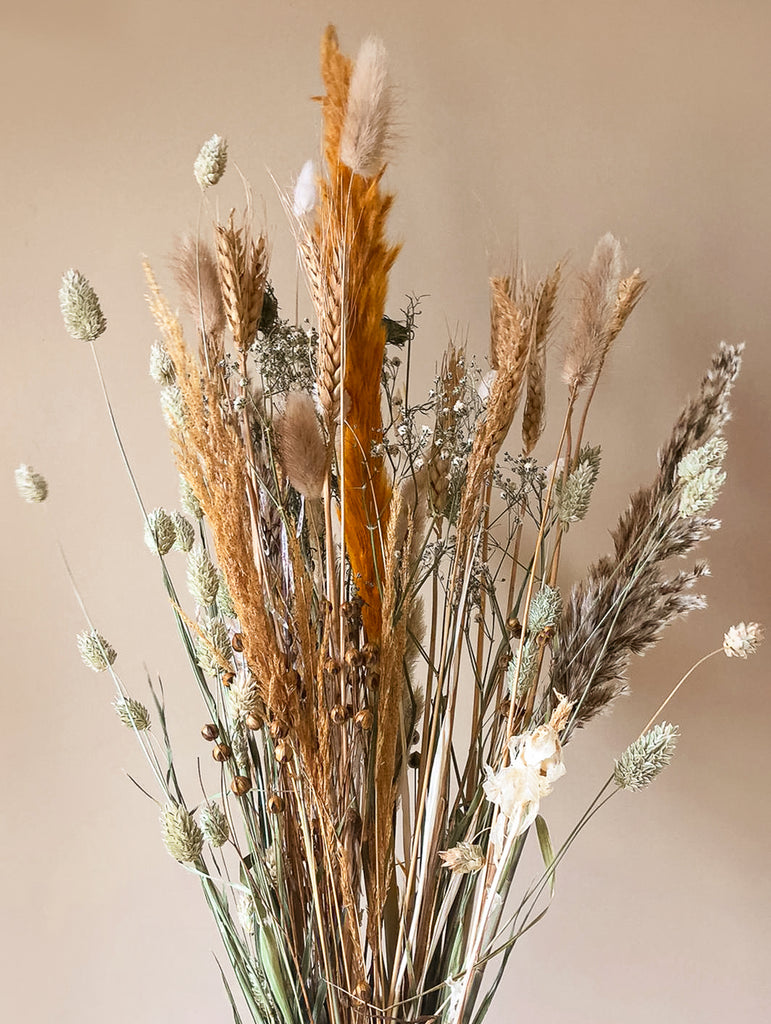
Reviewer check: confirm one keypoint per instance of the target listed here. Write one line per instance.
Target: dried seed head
(337, 714)
(160, 533)
(253, 722)
(210, 731)
(211, 161)
(221, 752)
(225, 604)
(275, 803)
(188, 500)
(214, 825)
(463, 859)
(213, 648)
(240, 785)
(32, 487)
(132, 713)
(362, 991)
(364, 719)
(185, 533)
(278, 729)
(646, 758)
(203, 580)
(523, 677)
(161, 365)
(237, 642)
(282, 751)
(173, 407)
(181, 835)
(574, 495)
(743, 640)
(302, 449)
(367, 130)
(95, 651)
(413, 761)
(83, 317)
(545, 609)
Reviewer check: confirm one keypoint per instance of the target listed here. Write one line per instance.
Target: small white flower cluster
(518, 788)
(742, 640)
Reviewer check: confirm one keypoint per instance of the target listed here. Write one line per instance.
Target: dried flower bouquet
(363, 568)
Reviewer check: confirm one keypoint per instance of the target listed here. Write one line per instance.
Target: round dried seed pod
(514, 626)
(210, 731)
(253, 722)
(504, 707)
(237, 642)
(275, 803)
(362, 991)
(371, 652)
(292, 679)
(337, 714)
(227, 678)
(364, 719)
(240, 785)
(354, 658)
(373, 680)
(221, 752)
(332, 666)
(282, 751)
(278, 729)
(413, 761)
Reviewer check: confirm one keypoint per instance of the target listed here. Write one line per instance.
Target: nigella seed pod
(240, 785)
(337, 714)
(237, 642)
(364, 719)
(221, 752)
(210, 731)
(275, 803)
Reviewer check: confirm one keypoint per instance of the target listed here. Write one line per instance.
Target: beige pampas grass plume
(596, 318)
(197, 277)
(367, 129)
(302, 451)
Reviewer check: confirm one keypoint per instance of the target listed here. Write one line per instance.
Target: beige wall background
(539, 125)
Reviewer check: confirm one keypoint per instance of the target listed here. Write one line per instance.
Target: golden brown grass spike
(243, 267)
(534, 416)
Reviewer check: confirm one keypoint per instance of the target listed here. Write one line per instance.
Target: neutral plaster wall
(535, 125)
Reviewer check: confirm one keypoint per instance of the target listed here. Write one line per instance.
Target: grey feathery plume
(367, 129)
(646, 758)
(83, 317)
(626, 600)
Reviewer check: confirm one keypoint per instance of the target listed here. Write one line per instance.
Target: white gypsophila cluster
(181, 835)
(214, 825)
(188, 500)
(646, 758)
(203, 579)
(161, 365)
(160, 533)
(743, 639)
(545, 609)
(95, 651)
(305, 195)
(185, 532)
(522, 676)
(213, 648)
(211, 161)
(463, 859)
(132, 713)
(518, 788)
(574, 495)
(173, 406)
(32, 487)
(83, 317)
(701, 477)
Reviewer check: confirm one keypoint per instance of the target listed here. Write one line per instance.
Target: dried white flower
(743, 639)
(203, 580)
(181, 836)
(463, 859)
(95, 651)
(132, 713)
(211, 161)
(305, 191)
(185, 533)
(160, 533)
(214, 825)
(83, 317)
(161, 365)
(646, 758)
(32, 487)
(516, 791)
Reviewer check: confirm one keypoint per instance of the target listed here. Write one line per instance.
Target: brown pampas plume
(302, 451)
(195, 271)
(355, 259)
(367, 129)
(592, 332)
(243, 267)
(534, 416)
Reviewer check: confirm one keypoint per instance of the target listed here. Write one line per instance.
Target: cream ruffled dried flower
(95, 651)
(743, 640)
(132, 713)
(646, 758)
(32, 487)
(214, 825)
(160, 533)
(463, 859)
(83, 317)
(181, 836)
(211, 161)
